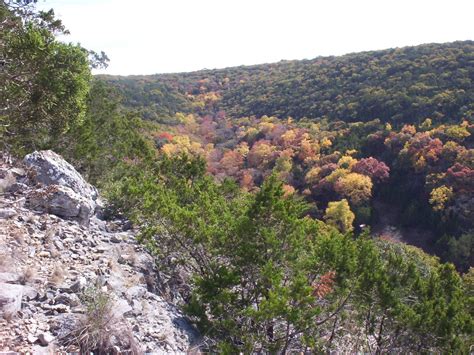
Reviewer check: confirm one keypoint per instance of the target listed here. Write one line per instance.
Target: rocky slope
(70, 279)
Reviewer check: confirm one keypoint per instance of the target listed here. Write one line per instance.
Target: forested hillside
(259, 223)
(403, 85)
(390, 128)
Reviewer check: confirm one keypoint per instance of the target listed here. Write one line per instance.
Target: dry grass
(132, 256)
(28, 275)
(5, 261)
(100, 331)
(31, 218)
(8, 316)
(58, 275)
(6, 182)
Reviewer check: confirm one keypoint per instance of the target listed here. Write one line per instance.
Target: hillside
(403, 85)
(69, 270)
(218, 223)
(407, 112)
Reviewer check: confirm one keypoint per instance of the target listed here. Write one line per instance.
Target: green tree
(44, 82)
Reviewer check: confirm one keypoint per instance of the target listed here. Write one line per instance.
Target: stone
(7, 213)
(58, 308)
(127, 225)
(10, 298)
(137, 308)
(79, 285)
(30, 293)
(122, 308)
(135, 292)
(16, 187)
(31, 338)
(51, 169)
(18, 171)
(59, 245)
(63, 324)
(57, 239)
(45, 339)
(9, 277)
(115, 239)
(44, 254)
(7, 180)
(67, 299)
(61, 201)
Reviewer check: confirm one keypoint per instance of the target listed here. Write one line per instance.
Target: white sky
(159, 36)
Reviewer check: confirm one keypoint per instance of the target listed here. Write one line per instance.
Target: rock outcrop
(51, 169)
(65, 193)
(61, 201)
(50, 263)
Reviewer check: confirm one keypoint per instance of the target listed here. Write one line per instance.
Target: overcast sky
(159, 36)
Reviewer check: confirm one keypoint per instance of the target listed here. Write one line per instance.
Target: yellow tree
(440, 196)
(339, 215)
(356, 187)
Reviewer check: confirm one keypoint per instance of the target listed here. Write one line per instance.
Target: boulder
(7, 180)
(51, 169)
(10, 298)
(45, 339)
(61, 201)
(7, 213)
(9, 277)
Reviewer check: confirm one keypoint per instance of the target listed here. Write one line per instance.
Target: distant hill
(402, 85)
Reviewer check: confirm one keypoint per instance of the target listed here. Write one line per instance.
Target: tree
(261, 154)
(339, 215)
(378, 171)
(440, 196)
(356, 187)
(44, 82)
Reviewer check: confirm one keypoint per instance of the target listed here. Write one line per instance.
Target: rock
(31, 339)
(44, 254)
(78, 286)
(135, 292)
(127, 225)
(7, 180)
(67, 299)
(9, 277)
(18, 171)
(137, 308)
(51, 169)
(115, 239)
(45, 339)
(10, 298)
(59, 308)
(84, 255)
(30, 293)
(16, 187)
(122, 308)
(59, 245)
(63, 324)
(61, 201)
(7, 213)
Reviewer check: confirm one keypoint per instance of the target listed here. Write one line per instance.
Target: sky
(163, 36)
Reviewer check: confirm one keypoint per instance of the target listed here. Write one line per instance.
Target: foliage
(339, 215)
(402, 85)
(263, 276)
(440, 196)
(44, 81)
(91, 146)
(99, 331)
(356, 187)
(258, 272)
